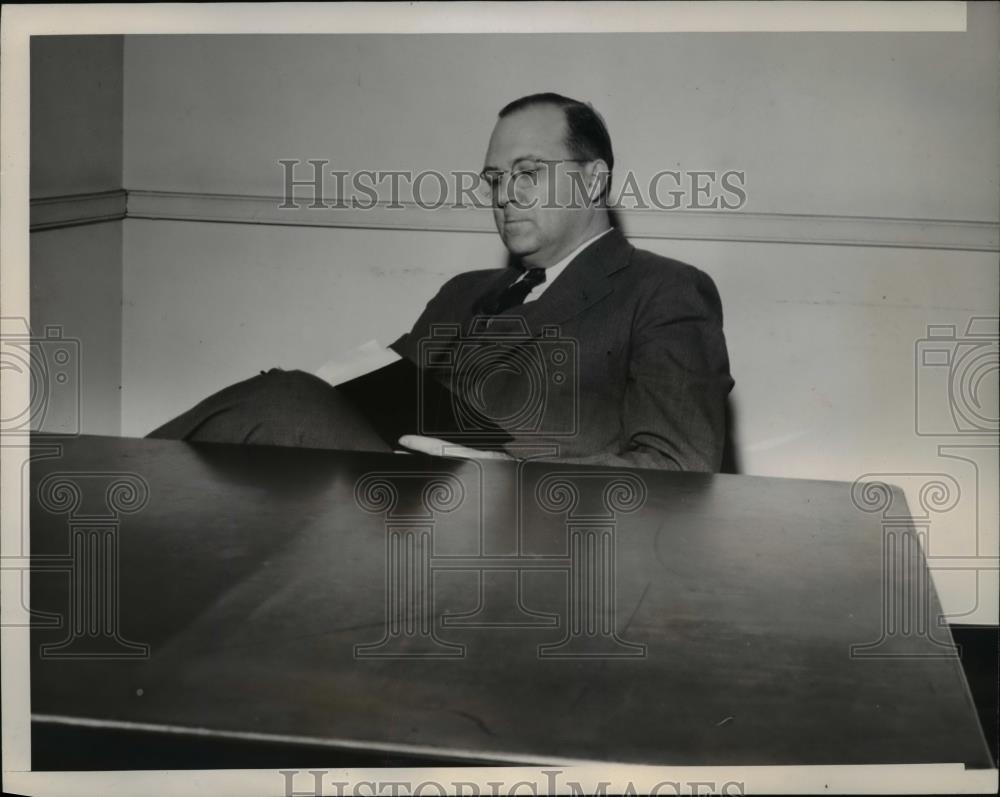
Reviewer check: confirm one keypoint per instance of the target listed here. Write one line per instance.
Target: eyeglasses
(521, 174)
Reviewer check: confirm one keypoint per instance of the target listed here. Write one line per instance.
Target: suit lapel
(583, 283)
(504, 278)
(461, 310)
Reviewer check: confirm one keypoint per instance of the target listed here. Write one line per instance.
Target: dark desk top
(262, 581)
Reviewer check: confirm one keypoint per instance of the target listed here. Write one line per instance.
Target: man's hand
(442, 448)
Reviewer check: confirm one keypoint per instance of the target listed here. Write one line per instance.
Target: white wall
(210, 304)
(76, 114)
(822, 338)
(870, 124)
(76, 270)
(76, 286)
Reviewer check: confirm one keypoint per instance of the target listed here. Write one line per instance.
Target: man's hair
(586, 134)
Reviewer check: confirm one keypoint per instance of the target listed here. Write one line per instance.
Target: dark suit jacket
(621, 361)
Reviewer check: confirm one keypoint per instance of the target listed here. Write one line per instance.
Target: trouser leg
(280, 408)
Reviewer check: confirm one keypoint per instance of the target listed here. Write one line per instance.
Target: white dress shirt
(552, 272)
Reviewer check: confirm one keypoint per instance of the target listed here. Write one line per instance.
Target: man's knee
(276, 407)
(298, 395)
(296, 408)
(290, 384)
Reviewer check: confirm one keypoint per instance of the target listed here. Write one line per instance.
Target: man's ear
(599, 177)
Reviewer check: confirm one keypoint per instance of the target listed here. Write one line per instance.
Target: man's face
(542, 218)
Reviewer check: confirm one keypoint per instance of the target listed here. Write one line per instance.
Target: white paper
(368, 357)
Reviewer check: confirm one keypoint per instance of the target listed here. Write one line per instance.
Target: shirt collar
(553, 271)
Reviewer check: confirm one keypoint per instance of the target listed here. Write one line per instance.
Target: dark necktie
(515, 294)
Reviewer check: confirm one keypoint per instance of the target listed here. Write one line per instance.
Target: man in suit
(584, 349)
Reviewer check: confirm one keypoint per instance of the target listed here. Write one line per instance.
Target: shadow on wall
(730, 454)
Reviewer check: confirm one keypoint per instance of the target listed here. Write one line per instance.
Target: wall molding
(704, 225)
(687, 225)
(51, 213)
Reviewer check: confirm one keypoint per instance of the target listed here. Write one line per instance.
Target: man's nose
(504, 192)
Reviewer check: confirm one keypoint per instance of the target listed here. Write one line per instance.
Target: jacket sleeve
(674, 410)
(441, 305)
